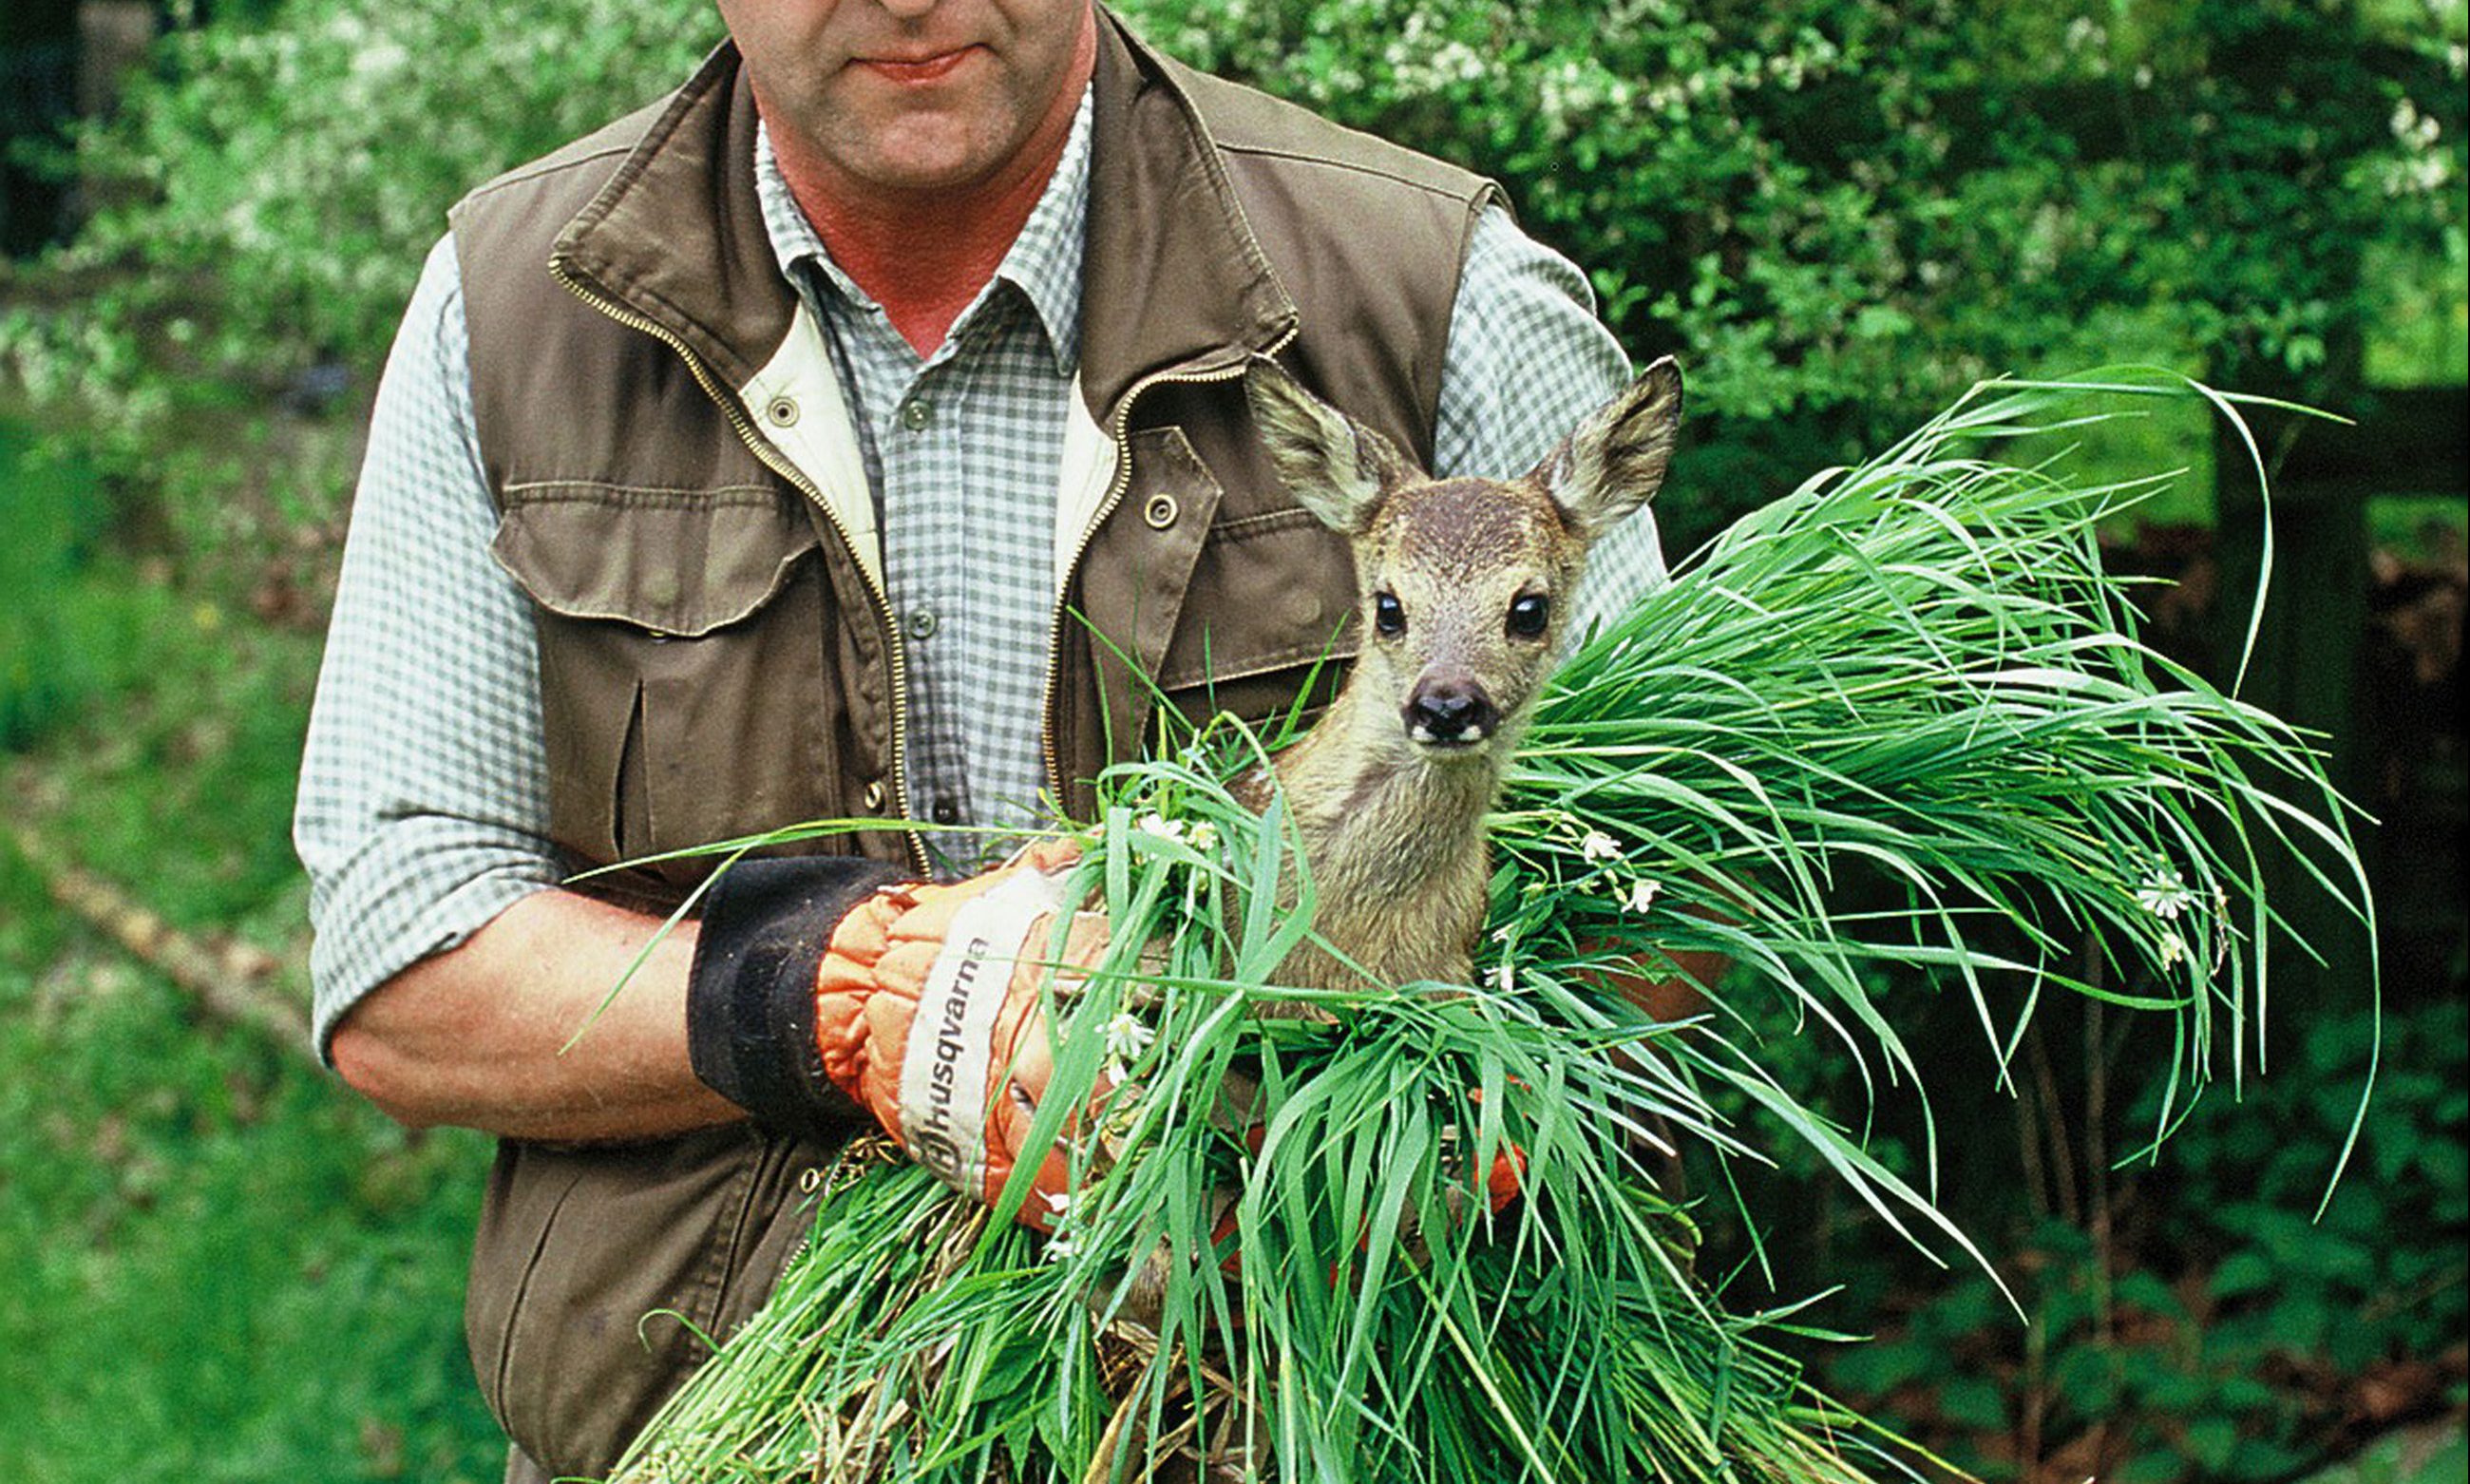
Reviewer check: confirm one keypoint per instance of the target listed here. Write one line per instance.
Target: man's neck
(925, 255)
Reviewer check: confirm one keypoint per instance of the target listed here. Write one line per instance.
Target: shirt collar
(1043, 261)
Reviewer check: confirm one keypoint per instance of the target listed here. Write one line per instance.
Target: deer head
(1465, 584)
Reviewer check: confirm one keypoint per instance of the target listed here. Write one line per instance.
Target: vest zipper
(781, 464)
(1121, 435)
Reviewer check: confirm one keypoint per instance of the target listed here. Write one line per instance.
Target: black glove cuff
(750, 993)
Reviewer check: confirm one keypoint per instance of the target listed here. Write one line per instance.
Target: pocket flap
(1271, 593)
(670, 561)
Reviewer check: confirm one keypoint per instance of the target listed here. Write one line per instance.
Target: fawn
(1466, 587)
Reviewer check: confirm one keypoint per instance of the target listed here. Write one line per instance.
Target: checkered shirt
(423, 809)
(961, 449)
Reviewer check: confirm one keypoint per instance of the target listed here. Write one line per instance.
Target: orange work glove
(825, 987)
(927, 1012)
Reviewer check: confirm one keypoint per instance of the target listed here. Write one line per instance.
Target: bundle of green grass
(1897, 724)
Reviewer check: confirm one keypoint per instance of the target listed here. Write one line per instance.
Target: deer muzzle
(1449, 713)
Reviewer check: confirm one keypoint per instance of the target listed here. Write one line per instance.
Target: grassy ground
(221, 1266)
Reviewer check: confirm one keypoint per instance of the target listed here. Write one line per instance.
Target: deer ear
(1616, 460)
(1332, 465)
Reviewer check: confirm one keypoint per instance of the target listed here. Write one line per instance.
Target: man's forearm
(477, 1036)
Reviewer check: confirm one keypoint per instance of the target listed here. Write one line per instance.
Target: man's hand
(927, 1013)
(801, 988)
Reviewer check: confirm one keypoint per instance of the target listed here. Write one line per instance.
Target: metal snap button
(1161, 512)
(782, 411)
(875, 796)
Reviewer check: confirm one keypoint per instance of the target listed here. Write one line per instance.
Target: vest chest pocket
(682, 641)
(1265, 617)
(1269, 611)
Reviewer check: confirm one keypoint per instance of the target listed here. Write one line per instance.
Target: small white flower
(1506, 977)
(1060, 1249)
(2173, 950)
(1600, 847)
(1126, 1037)
(1058, 1202)
(1200, 834)
(1641, 895)
(2164, 893)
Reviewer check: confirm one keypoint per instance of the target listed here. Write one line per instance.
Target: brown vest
(717, 655)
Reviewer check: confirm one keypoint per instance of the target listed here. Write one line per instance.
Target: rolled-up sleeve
(1526, 360)
(423, 806)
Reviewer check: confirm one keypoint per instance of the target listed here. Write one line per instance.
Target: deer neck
(1388, 826)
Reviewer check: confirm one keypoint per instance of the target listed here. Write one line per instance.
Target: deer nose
(1450, 713)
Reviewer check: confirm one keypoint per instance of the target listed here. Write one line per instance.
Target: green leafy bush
(1842, 212)
(267, 194)
(2206, 1327)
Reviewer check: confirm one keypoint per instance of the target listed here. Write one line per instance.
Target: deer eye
(1387, 615)
(1529, 616)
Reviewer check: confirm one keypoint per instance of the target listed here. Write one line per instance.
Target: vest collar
(1173, 279)
(676, 237)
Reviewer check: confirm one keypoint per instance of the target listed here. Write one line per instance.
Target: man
(859, 434)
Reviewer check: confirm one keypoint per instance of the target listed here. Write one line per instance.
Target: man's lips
(916, 69)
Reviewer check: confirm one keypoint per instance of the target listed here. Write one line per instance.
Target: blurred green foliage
(2206, 1324)
(264, 199)
(48, 505)
(1841, 213)
(219, 1268)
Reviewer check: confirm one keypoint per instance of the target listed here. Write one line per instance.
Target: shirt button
(781, 411)
(946, 811)
(921, 623)
(1160, 512)
(916, 413)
